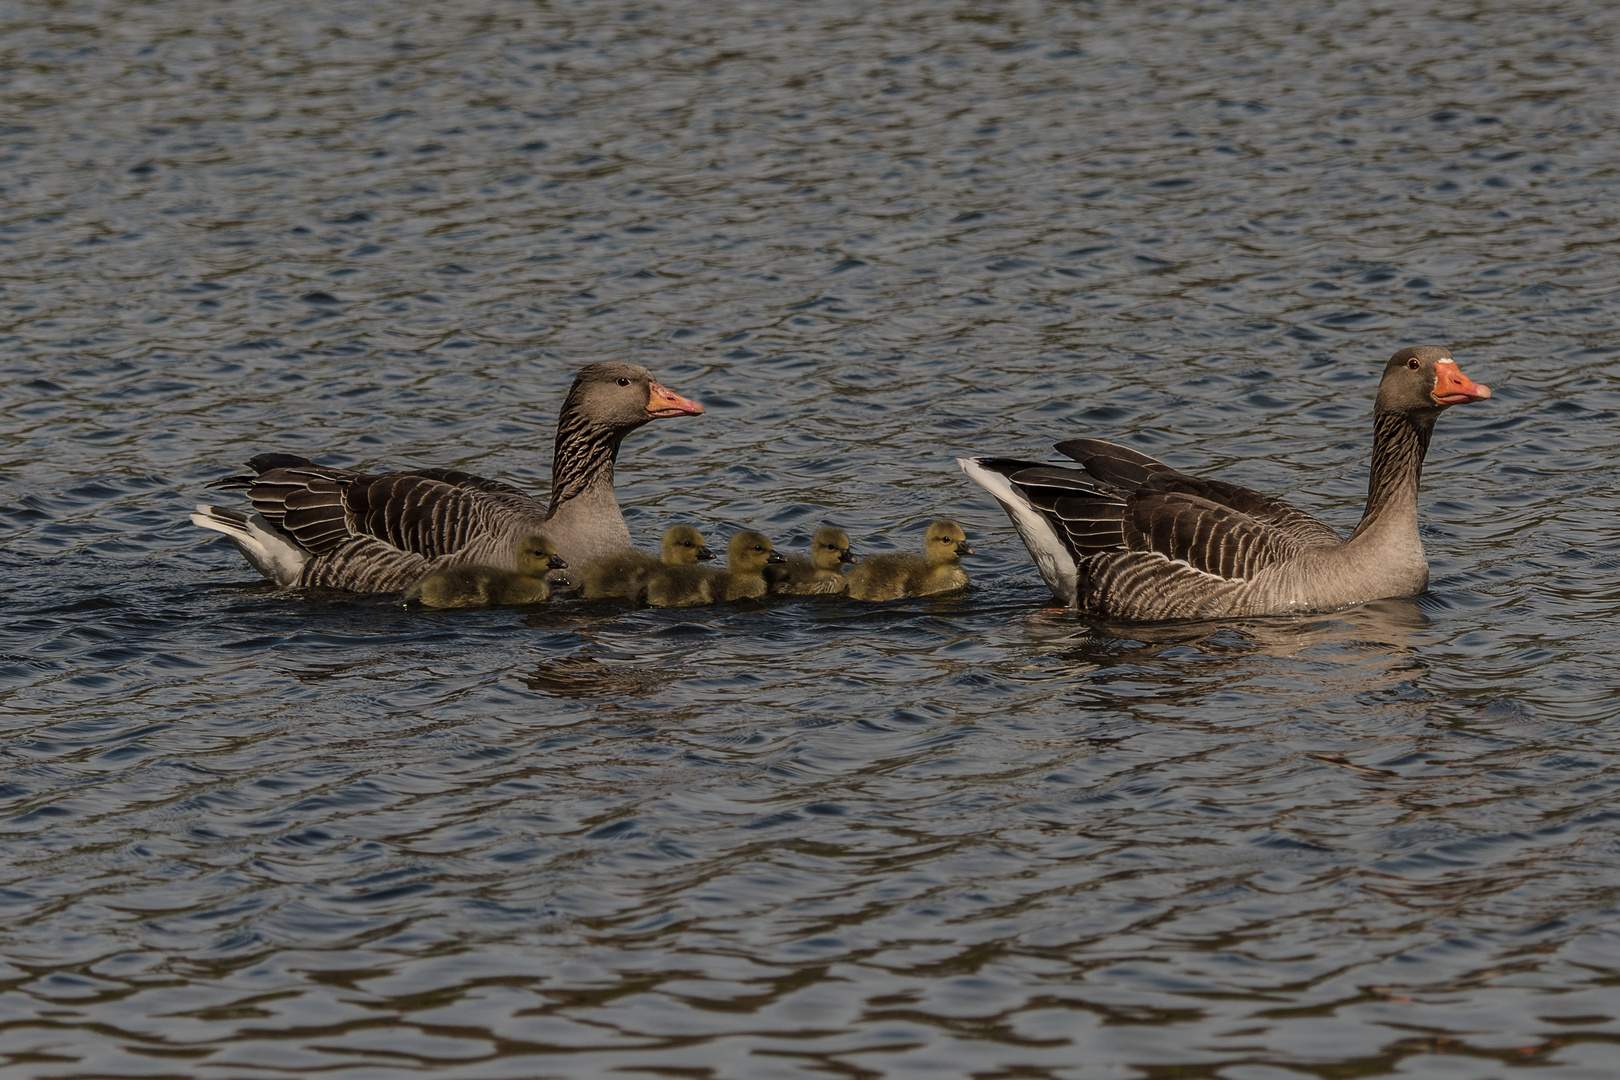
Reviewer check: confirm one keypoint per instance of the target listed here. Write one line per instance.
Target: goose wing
(1128, 470)
(1157, 519)
(427, 512)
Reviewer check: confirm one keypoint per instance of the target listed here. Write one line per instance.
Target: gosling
(937, 570)
(622, 575)
(822, 572)
(469, 586)
(744, 576)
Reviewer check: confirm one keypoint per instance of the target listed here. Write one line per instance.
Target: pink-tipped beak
(1452, 387)
(661, 402)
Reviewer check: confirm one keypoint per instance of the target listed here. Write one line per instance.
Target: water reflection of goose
(1368, 647)
(312, 525)
(1128, 537)
(1389, 624)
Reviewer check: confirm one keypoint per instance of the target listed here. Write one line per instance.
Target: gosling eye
(624, 381)
(1412, 364)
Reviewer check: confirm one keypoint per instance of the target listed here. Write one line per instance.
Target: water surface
(247, 833)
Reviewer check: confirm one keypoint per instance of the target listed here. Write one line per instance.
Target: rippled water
(249, 833)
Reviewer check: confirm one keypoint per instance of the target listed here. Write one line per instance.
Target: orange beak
(661, 402)
(1452, 387)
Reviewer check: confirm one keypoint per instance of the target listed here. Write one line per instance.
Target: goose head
(829, 549)
(536, 555)
(683, 545)
(750, 552)
(1423, 381)
(946, 543)
(621, 397)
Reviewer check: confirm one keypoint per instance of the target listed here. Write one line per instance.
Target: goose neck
(1400, 443)
(582, 459)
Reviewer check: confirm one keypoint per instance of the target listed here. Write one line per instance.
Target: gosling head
(946, 543)
(683, 545)
(536, 554)
(829, 549)
(750, 552)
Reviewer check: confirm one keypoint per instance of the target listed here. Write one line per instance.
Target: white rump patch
(1051, 554)
(270, 550)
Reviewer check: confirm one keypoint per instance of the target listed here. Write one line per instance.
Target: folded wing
(430, 513)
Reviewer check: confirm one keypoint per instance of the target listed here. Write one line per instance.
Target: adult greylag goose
(622, 575)
(313, 525)
(822, 572)
(938, 569)
(747, 556)
(466, 586)
(1128, 537)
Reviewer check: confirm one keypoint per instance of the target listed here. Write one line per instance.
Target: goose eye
(1412, 364)
(624, 382)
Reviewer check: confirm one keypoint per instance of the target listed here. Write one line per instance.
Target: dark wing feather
(457, 478)
(427, 513)
(1097, 519)
(419, 513)
(304, 502)
(263, 463)
(1291, 521)
(1088, 516)
(1207, 536)
(1131, 471)
(1115, 465)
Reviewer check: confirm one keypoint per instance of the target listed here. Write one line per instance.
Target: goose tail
(1052, 555)
(271, 551)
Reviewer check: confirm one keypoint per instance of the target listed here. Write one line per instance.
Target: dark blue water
(246, 833)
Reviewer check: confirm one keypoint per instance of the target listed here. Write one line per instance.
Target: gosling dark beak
(704, 553)
(556, 563)
(776, 556)
(964, 548)
(847, 556)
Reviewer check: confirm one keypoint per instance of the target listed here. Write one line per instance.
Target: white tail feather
(271, 551)
(1052, 556)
